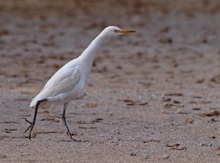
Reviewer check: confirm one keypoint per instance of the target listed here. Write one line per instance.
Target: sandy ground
(152, 96)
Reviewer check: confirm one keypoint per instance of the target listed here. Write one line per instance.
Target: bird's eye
(117, 31)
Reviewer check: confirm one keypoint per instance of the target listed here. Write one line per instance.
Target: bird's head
(115, 31)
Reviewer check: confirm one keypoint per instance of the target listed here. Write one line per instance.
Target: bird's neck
(87, 57)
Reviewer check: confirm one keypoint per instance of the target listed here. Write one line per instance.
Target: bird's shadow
(76, 141)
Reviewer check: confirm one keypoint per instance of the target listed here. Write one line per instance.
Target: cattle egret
(69, 81)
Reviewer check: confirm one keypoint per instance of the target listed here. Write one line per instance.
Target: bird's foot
(75, 140)
(27, 120)
(31, 126)
(79, 140)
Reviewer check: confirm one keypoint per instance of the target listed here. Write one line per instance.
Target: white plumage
(66, 83)
(69, 81)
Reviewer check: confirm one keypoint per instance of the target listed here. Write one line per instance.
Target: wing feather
(61, 82)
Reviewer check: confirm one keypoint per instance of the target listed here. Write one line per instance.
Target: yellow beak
(124, 31)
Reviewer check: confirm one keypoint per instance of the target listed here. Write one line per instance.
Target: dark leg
(65, 124)
(34, 119)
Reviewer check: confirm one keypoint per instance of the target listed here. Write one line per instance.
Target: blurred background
(114, 7)
(42, 28)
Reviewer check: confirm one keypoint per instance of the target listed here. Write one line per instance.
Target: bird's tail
(33, 103)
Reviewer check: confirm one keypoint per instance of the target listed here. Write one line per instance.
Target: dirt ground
(152, 96)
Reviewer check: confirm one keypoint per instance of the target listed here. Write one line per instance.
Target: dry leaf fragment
(212, 120)
(133, 154)
(216, 79)
(142, 104)
(167, 40)
(205, 102)
(34, 135)
(176, 102)
(181, 112)
(50, 119)
(189, 121)
(130, 102)
(97, 120)
(3, 32)
(174, 94)
(151, 140)
(81, 122)
(3, 156)
(74, 133)
(199, 81)
(212, 137)
(218, 148)
(164, 30)
(196, 108)
(211, 113)
(166, 99)
(91, 105)
(9, 122)
(196, 97)
(174, 148)
(166, 106)
(9, 130)
(173, 145)
(43, 111)
(49, 132)
(83, 127)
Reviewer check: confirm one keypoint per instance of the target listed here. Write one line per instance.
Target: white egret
(69, 81)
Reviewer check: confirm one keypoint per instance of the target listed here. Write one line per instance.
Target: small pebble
(34, 135)
(206, 144)
(166, 156)
(2, 156)
(173, 130)
(133, 154)
(133, 139)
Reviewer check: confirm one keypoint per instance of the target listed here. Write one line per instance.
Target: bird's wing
(61, 82)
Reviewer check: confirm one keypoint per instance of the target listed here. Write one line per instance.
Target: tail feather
(33, 103)
(39, 97)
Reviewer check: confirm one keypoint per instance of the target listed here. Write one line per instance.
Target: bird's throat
(87, 57)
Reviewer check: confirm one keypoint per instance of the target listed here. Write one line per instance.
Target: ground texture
(152, 96)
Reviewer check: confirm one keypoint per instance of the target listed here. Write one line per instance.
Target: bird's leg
(65, 124)
(34, 119)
